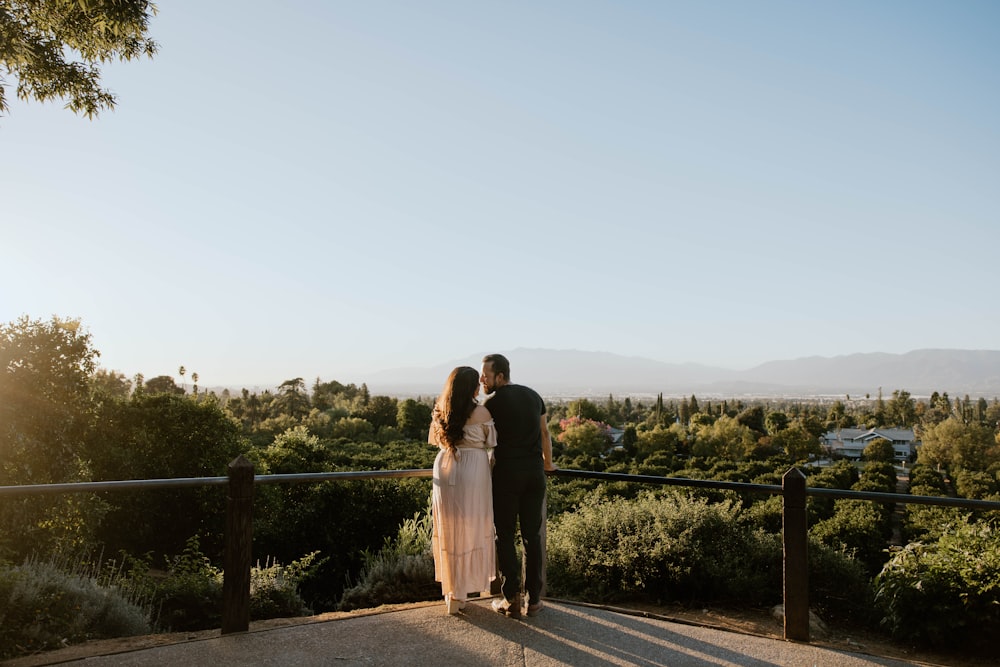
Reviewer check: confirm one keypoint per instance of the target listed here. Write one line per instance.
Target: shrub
(42, 606)
(660, 548)
(859, 528)
(925, 481)
(188, 595)
(766, 514)
(839, 586)
(944, 594)
(291, 520)
(401, 571)
(926, 523)
(274, 588)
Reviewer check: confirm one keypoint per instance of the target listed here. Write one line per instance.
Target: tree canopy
(55, 48)
(44, 398)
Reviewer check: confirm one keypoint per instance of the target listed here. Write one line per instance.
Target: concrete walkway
(423, 634)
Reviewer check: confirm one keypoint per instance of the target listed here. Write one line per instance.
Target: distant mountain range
(572, 373)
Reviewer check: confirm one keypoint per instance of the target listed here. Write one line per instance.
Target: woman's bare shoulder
(479, 415)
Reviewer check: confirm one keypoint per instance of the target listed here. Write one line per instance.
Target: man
(523, 456)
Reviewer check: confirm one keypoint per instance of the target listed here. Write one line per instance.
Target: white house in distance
(851, 442)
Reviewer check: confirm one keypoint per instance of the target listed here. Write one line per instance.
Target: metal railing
(237, 560)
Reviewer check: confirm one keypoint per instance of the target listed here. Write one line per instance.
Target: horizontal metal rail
(298, 478)
(179, 482)
(776, 489)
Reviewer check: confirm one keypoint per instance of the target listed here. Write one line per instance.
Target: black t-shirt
(517, 412)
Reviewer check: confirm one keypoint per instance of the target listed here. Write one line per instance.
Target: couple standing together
(476, 512)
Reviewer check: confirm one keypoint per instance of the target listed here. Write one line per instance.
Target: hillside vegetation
(129, 561)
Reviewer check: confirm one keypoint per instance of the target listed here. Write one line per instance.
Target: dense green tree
(659, 415)
(726, 438)
(753, 419)
(925, 481)
(812, 424)
(659, 439)
(901, 410)
(956, 446)
(585, 409)
(45, 406)
(581, 436)
(111, 383)
(413, 418)
(379, 411)
(333, 394)
(938, 409)
(612, 411)
(683, 413)
(155, 436)
(837, 417)
(700, 421)
(45, 410)
(293, 451)
(162, 384)
(319, 423)
(629, 439)
(775, 421)
(38, 38)
(353, 428)
(796, 442)
(977, 484)
(291, 399)
(981, 408)
(992, 416)
(879, 449)
(879, 416)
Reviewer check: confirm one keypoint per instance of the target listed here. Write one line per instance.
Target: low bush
(858, 528)
(839, 587)
(188, 594)
(662, 548)
(945, 593)
(274, 588)
(401, 571)
(43, 607)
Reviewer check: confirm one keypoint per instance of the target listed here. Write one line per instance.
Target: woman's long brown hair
(454, 406)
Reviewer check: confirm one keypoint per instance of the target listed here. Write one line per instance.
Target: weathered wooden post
(239, 548)
(796, 557)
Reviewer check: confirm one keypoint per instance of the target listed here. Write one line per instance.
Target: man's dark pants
(519, 494)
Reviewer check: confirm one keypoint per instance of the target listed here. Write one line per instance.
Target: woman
(462, 501)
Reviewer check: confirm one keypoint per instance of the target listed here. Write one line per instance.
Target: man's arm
(547, 446)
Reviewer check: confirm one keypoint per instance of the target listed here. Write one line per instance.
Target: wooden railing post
(795, 555)
(239, 551)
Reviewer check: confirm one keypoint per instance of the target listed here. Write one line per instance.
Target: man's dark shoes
(510, 608)
(534, 609)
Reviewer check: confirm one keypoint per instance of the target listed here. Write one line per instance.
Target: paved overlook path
(422, 634)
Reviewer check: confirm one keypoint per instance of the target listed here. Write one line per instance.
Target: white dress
(463, 542)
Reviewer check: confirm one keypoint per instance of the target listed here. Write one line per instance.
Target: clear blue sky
(335, 188)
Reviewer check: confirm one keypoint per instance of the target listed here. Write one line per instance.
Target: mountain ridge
(586, 374)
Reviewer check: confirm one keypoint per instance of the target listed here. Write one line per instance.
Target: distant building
(851, 442)
(615, 436)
